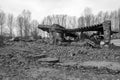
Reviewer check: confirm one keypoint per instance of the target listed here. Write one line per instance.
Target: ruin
(60, 34)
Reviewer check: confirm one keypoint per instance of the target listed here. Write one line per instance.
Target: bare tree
(98, 18)
(106, 16)
(114, 19)
(47, 20)
(54, 19)
(34, 29)
(92, 21)
(20, 21)
(119, 18)
(27, 17)
(2, 20)
(10, 24)
(88, 14)
(81, 21)
(64, 20)
(71, 22)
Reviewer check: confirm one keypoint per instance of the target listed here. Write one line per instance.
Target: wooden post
(107, 32)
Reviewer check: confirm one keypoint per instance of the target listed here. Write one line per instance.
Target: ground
(40, 61)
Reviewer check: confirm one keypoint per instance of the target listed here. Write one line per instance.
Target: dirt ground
(40, 61)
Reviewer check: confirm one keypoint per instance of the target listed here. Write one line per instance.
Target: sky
(42, 8)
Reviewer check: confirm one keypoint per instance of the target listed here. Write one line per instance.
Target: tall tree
(119, 18)
(81, 21)
(106, 16)
(71, 22)
(20, 21)
(99, 17)
(114, 19)
(2, 20)
(27, 17)
(10, 24)
(88, 15)
(34, 29)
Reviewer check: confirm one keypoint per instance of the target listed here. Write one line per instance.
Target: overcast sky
(42, 8)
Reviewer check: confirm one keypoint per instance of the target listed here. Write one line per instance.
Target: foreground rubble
(40, 61)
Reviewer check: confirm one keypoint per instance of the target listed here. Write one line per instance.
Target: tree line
(24, 26)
